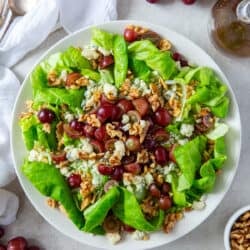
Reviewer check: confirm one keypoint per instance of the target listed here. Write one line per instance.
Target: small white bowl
(230, 223)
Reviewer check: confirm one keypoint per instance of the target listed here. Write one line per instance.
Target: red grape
(128, 159)
(118, 173)
(184, 63)
(105, 112)
(130, 35)
(161, 155)
(58, 157)
(161, 135)
(152, 1)
(105, 170)
(98, 146)
(125, 105)
(176, 56)
(46, 115)
(154, 190)
(171, 153)
(101, 133)
(106, 61)
(188, 1)
(165, 188)
(162, 117)
(141, 105)
(72, 77)
(134, 168)
(17, 243)
(74, 180)
(165, 202)
(70, 132)
(88, 130)
(133, 143)
(117, 113)
(128, 228)
(104, 100)
(76, 125)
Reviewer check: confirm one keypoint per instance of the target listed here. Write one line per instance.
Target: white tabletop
(191, 21)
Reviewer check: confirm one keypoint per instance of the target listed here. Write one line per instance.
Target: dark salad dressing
(230, 32)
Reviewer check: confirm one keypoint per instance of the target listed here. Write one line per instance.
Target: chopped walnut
(135, 129)
(47, 128)
(52, 203)
(53, 79)
(125, 87)
(93, 121)
(82, 81)
(92, 156)
(156, 101)
(86, 187)
(171, 220)
(112, 132)
(115, 160)
(150, 207)
(175, 106)
(143, 156)
(86, 202)
(63, 210)
(134, 93)
(164, 45)
(28, 105)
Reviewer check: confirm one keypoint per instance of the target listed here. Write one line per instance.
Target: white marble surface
(191, 21)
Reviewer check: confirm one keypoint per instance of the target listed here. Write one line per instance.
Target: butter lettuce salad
(124, 135)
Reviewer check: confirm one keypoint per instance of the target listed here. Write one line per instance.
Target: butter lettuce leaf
(102, 39)
(49, 181)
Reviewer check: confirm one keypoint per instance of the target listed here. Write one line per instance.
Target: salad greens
(76, 100)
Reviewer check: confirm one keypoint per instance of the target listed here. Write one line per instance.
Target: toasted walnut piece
(134, 93)
(171, 220)
(135, 129)
(189, 90)
(86, 202)
(125, 87)
(245, 216)
(156, 101)
(111, 224)
(52, 203)
(150, 207)
(52, 76)
(82, 81)
(25, 115)
(112, 132)
(86, 187)
(28, 105)
(164, 45)
(47, 128)
(115, 160)
(160, 179)
(142, 156)
(93, 121)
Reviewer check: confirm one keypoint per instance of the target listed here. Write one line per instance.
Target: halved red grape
(128, 159)
(162, 117)
(130, 35)
(118, 173)
(188, 1)
(125, 105)
(176, 56)
(58, 157)
(74, 180)
(105, 112)
(154, 190)
(128, 228)
(141, 105)
(72, 77)
(161, 155)
(106, 61)
(184, 63)
(117, 113)
(133, 168)
(105, 170)
(17, 243)
(133, 143)
(101, 133)
(165, 202)
(105, 101)
(88, 130)
(165, 188)
(76, 125)
(97, 145)
(161, 135)
(46, 115)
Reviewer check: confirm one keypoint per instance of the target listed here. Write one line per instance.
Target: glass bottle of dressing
(230, 29)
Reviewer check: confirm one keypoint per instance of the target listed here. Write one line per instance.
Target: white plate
(194, 54)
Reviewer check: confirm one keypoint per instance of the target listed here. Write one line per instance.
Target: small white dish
(194, 54)
(230, 223)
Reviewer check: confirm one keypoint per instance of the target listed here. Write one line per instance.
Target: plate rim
(122, 23)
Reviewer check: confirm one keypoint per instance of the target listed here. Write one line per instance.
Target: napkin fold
(24, 35)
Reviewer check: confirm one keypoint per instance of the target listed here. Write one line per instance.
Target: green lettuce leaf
(95, 214)
(128, 210)
(188, 157)
(220, 130)
(102, 39)
(120, 60)
(221, 109)
(91, 74)
(49, 181)
(106, 76)
(154, 58)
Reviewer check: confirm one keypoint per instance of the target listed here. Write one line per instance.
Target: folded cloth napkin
(23, 35)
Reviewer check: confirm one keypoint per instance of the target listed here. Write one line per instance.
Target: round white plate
(195, 55)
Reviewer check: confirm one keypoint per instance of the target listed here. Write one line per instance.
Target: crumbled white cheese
(143, 124)
(198, 205)
(86, 146)
(138, 235)
(65, 171)
(126, 127)
(41, 156)
(125, 119)
(148, 179)
(187, 129)
(68, 116)
(90, 52)
(110, 89)
(104, 51)
(182, 141)
(97, 178)
(113, 237)
(63, 75)
(89, 93)
(119, 148)
(141, 86)
(72, 154)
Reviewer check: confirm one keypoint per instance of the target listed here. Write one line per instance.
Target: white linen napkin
(25, 34)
